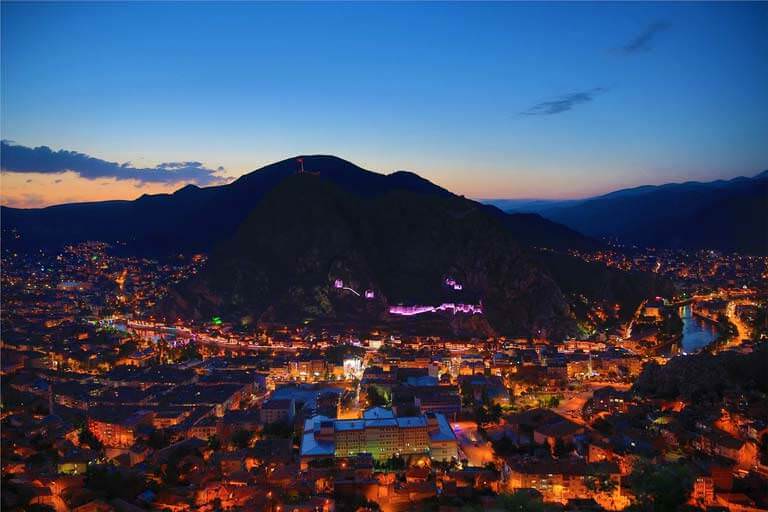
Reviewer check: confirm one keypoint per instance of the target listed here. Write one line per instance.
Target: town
(406, 256)
(105, 408)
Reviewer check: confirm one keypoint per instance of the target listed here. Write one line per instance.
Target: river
(697, 332)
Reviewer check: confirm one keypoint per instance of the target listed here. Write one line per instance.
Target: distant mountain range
(728, 215)
(279, 240)
(528, 205)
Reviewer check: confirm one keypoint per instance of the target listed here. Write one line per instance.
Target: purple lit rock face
(471, 309)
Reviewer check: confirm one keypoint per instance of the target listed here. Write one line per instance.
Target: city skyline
(489, 101)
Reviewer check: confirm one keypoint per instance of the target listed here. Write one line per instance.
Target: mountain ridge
(689, 215)
(163, 222)
(278, 239)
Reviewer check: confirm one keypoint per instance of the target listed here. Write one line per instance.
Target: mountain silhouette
(196, 219)
(727, 215)
(282, 265)
(279, 238)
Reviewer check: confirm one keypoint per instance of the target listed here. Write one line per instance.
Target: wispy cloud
(23, 200)
(642, 42)
(42, 159)
(562, 103)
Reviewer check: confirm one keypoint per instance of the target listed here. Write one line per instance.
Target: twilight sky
(519, 100)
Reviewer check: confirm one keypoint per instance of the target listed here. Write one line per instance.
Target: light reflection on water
(697, 332)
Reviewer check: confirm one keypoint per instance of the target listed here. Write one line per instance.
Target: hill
(730, 216)
(279, 240)
(282, 265)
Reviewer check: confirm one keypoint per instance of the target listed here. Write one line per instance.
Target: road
(572, 404)
(635, 316)
(742, 329)
(477, 451)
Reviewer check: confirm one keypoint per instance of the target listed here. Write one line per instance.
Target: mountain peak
(197, 219)
(186, 189)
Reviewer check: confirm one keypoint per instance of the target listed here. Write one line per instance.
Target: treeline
(705, 377)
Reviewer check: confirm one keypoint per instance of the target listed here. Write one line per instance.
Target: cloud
(23, 200)
(562, 103)
(22, 159)
(642, 41)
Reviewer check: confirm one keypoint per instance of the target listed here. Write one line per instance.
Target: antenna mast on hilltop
(301, 170)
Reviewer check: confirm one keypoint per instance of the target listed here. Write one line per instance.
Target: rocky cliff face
(283, 262)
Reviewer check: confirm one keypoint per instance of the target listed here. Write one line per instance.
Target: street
(477, 451)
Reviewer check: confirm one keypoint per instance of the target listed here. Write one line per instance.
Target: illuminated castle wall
(454, 308)
(471, 309)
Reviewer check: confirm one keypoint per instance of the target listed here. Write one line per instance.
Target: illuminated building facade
(382, 436)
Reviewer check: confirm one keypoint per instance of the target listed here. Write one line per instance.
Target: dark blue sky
(489, 100)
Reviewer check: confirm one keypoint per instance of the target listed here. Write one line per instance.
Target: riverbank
(698, 331)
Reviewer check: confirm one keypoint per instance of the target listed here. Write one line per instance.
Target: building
(382, 438)
(278, 410)
(116, 428)
(381, 435)
(559, 480)
(442, 440)
(654, 309)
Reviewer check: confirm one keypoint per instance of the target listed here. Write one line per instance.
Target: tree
(520, 501)
(189, 352)
(599, 482)
(337, 353)
(354, 503)
(494, 413)
(394, 463)
(112, 482)
(127, 348)
(481, 416)
(169, 472)
(158, 439)
(660, 486)
(278, 430)
(37, 507)
(242, 438)
(467, 395)
(377, 397)
(560, 449)
(504, 446)
(214, 443)
(85, 436)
